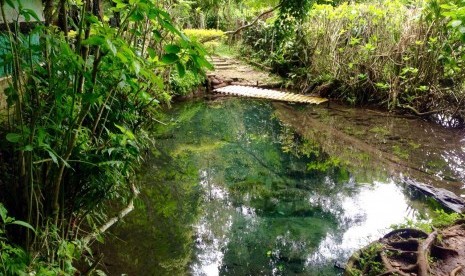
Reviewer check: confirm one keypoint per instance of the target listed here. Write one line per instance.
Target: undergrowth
(400, 56)
(80, 104)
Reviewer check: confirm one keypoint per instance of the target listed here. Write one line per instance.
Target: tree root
(408, 252)
(406, 233)
(443, 252)
(410, 244)
(389, 267)
(422, 114)
(456, 270)
(423, 254)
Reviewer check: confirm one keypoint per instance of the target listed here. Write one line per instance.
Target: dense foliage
(80, 100)
(87, 83)
(400, 56)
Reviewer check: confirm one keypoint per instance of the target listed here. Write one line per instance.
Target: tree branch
(135, 192)
(255, 21)
(421, 114)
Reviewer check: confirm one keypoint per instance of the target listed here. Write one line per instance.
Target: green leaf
(13, 137)
(152, 53)
(110, 150)
(157, 35)
(181, 69)
(202, 62)
(126, 132)
(26, 16)
(120, 5)
(166, 24)
(24, 224)
(10, 3)
(137, 16)
(92, 19)
(447, 6)
(164, 14)
(28, 148)
(96, 40)
(53, 156)
(136, 67)
(3, 212)
(169, 58)
(172, 49)
(146, 97)
(27, 13)
(100, 239)
(111, 46)
(122, 57)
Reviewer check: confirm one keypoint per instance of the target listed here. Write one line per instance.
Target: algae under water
(229, 190)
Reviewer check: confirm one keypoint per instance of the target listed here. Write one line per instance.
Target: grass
(226, 50)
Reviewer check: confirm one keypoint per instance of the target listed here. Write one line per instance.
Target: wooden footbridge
(254, 92)
(235, 78)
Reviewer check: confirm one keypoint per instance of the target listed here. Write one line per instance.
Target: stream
(248, 187)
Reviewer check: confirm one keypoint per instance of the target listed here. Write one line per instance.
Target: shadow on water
(230, 190)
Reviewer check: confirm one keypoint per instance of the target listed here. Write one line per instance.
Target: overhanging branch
(255, 20)
(118, 217)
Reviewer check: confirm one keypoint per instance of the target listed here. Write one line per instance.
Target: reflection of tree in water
(278, 186)
(156, 239)
(271, 197)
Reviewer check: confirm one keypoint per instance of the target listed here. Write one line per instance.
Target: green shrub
(387, 53)
(209, 38)
(76, 129)
(186, 84)
(204, 35)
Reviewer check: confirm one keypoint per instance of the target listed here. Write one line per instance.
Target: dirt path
(232, 71)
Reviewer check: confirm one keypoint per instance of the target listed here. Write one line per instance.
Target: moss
(380, 130)
(400, 152)
(197, 148)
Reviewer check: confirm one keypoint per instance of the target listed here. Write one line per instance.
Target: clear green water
(230, 191)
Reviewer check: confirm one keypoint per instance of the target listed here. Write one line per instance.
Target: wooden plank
(254, 92)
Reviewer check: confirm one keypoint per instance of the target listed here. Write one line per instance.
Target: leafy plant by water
(79, 102)
(404, 57)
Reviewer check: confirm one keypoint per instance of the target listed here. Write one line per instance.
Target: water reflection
(364, 138)
(365, 217)
(234, 192)
(213, 228)
(283, 244)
